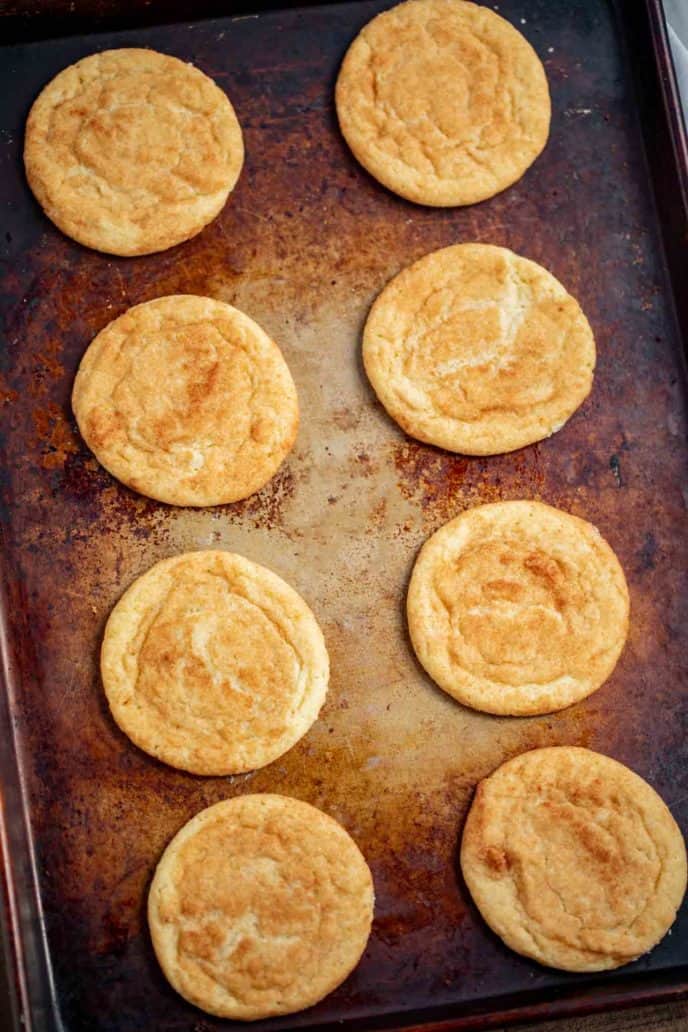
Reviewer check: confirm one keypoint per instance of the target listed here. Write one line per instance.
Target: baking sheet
(303, 246)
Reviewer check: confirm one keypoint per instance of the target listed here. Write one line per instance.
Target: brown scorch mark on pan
(264, 509)
(444, 484)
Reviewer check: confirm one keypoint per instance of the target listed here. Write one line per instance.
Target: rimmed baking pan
(304, 245)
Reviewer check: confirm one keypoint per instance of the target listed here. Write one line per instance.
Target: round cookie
(443, 101)
(517, 608)
(131, 151)
(573, 860)
(477, 350)
(186, 400)
(261, 905)
(213, 664)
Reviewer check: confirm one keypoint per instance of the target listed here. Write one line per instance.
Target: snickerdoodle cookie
(518, 608)
(477, 350)
(131, 151)
(213, 663)
(261, 905)
(186, 400)
(443, 101)
(573, 860)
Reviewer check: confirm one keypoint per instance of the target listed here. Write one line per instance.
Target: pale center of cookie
(136, 140)
(111, 139)
(202, 402)
(430, 92)
(441, 98)
(264, 915)
(472, 354)
(516, 614)
(263, 909)
(584, 865)
(215, 665)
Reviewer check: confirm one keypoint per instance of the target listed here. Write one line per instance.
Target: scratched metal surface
(304, 245)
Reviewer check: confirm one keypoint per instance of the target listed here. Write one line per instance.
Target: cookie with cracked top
(478, 350)
(187, 400)
(443, 101)
(573, 859)
(517, 608)
(131, 151)
(213, 664)
(260, 906)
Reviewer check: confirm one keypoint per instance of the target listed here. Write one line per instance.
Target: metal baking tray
(304, 244)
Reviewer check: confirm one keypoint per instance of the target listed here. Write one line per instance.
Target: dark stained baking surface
(303, 246)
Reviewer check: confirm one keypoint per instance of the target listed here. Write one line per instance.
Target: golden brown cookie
(517, 608)
(573, 860)
(130, 151)
(261, 905)
(443, 101)
(213, 664)
(186, 400)
(477, 350)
